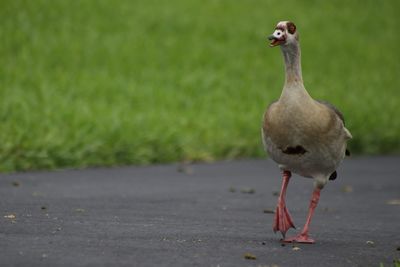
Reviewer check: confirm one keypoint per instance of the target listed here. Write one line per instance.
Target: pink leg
(283, 221)
(303, 236)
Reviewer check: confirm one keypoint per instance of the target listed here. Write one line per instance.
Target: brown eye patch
(291, 27)
(280, 28)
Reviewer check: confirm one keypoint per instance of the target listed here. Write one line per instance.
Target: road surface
(197, 215)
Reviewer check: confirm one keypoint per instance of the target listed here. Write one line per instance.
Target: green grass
(396, 263)
(88, 83)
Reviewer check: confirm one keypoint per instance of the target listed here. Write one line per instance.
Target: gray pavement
(197, 215)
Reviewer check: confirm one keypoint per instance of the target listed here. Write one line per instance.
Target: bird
(302, 135)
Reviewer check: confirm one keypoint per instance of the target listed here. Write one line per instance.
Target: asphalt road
(197, 215)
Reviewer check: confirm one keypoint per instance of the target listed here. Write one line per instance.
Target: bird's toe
(283, 221)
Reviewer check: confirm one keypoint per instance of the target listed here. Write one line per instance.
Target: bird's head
(285, 33)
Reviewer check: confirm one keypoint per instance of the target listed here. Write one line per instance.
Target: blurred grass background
(89, 83)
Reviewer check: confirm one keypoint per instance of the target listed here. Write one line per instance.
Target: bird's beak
(275, 41)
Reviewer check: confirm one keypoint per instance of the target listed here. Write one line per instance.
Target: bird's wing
(339, 115)
(333, 108)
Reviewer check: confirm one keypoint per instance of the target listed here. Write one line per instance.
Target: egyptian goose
(302, 135)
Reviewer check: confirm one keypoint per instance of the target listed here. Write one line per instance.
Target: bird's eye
(279, 33)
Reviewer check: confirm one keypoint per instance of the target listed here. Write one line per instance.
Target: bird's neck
(294, 88)
(291, 55)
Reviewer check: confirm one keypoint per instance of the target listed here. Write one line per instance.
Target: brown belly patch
(297, 150)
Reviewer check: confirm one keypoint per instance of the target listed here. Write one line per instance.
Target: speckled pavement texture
(197, 215)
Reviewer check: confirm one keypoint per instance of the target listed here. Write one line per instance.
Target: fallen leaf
(248, 190)
(275, 193)
(15, 183)
(58, 229)
(268, 211)
(296, 248)
(185, 168)
(80, 210)
(37, 194)
(232, 189)
(249, 256)
(347, 189)
(370, 243)
(10, 216)
(393, 202)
